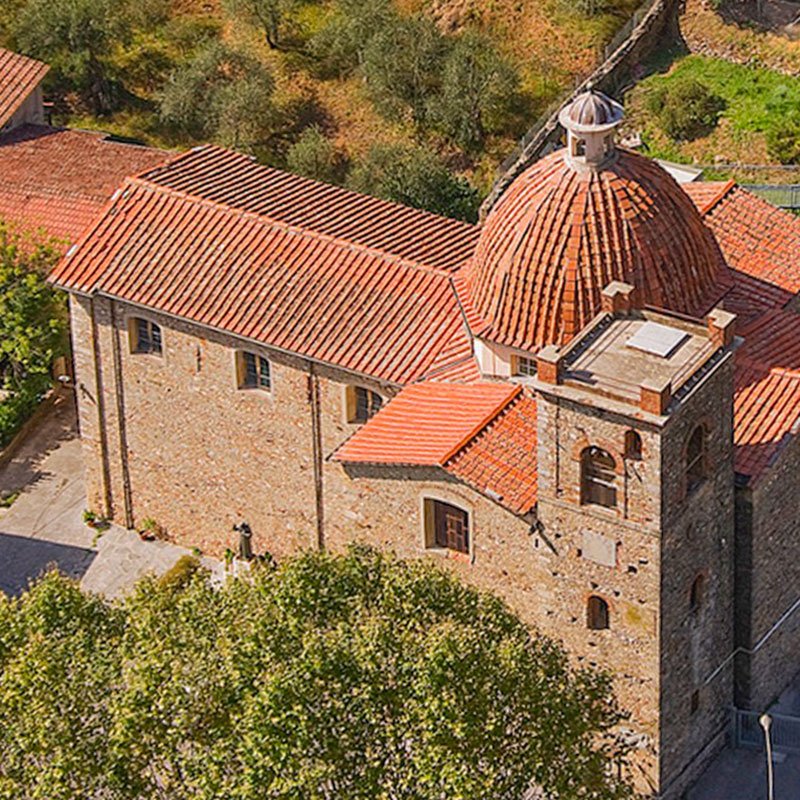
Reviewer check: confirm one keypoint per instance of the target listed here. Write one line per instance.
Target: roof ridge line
(707, 208)
(487, 420)
(265, 219)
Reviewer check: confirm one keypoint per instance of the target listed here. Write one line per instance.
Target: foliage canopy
(354, 676)
(687, 109)
(416, 177)
(221, 94)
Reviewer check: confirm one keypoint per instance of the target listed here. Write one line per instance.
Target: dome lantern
(590, 121)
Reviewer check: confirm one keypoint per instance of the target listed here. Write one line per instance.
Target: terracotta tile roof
(558, 237)
(299, 289)
(59, 180)
(426, 424)
(767, 391)
(236, 181)
(705, 194)
(19, 76)
(501, 460)
(757, 238)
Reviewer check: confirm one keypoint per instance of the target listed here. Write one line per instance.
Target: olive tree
(221, 94)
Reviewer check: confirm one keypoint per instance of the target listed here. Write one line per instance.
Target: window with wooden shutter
(449, 526)
(362, 404)
(145, 336)
(253, 371)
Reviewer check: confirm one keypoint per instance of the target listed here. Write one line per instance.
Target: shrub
(313, 155)
(416, 177)
(686, 109)
(180, 573)
(19, 405)
(783, 139)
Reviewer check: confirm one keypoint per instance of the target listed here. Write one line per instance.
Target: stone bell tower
(635, 460)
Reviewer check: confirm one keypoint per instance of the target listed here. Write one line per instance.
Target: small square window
(254, 371)
(446, 526)
(524, 365)
(362, 404)
(145, 336)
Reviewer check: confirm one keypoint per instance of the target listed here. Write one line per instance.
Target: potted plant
(149, 530)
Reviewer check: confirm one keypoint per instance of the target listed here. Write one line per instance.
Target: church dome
(563, 231)
(591, 109)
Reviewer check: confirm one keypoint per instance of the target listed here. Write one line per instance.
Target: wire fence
(783, 196)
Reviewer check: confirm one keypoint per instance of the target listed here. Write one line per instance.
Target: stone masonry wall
(775, 579)
(697, 539)
(630, 584)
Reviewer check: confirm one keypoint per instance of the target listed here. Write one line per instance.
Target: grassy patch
(754, 98)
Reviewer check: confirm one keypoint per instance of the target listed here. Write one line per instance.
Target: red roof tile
(757, 238)
(236, 181)
(426, 424)
(501, 460)
(558, 237)
(299, 289)
(19, 76)
(59, 180)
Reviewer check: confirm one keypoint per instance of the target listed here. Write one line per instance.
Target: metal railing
(747, 731)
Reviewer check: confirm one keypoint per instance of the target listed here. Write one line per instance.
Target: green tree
(221, 94)
(355, 676)
(477, 93)
(783, 139)
(79, 39)
(313, 155)
(403, 64)
(32, 314)
(415, 176)
(686, 109)
(342, 41)
(274, 17)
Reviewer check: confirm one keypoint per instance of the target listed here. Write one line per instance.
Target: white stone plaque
(600, 549)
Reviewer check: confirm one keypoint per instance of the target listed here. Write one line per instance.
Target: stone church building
(588, 404)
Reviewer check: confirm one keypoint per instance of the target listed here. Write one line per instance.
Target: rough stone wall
(630, 647)
(775, 579)
(200, 454)
(697, 539)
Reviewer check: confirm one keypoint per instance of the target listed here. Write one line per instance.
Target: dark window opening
(362, 404)
(695, 701)
(450, 527)
(146, 337)
(633, 445)
(597, 616)
(598, 478)
(697, 592)
(696, 459)
(254, 372)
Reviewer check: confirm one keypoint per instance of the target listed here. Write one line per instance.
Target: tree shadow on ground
(23, 560)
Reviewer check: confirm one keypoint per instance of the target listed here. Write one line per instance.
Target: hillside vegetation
(430, 94)
(709, 111)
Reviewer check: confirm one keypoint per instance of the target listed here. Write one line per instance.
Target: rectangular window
(525, 365)
(145, 337)
(254, 371)
(449, 526)
(362, 404)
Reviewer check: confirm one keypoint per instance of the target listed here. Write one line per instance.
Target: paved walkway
(44, 525)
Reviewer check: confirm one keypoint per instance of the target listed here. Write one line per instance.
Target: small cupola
(590, 121)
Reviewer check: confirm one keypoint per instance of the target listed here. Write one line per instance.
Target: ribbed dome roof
(559, 236)
(591, 109)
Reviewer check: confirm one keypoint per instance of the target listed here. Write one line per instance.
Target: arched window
(597, 617)
(633, 445)
(598, 478)
(697, 592)
(696, 458)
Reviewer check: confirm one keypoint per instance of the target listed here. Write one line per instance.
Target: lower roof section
(484, 434)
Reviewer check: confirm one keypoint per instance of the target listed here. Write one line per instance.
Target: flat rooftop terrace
(625, 354)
